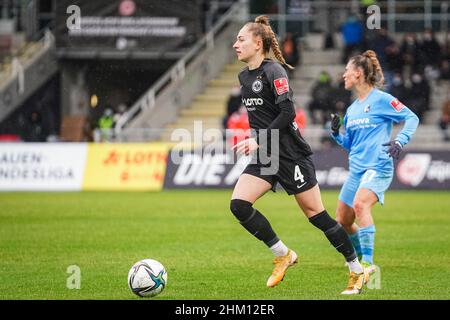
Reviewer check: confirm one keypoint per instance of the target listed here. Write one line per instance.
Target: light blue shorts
(373, 180)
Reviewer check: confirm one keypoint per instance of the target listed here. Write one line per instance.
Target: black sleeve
(286, 116)
(279, 82)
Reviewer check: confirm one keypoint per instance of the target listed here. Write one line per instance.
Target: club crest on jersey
(367, 108)
(281, 85)
(257, 86)
(397, 105)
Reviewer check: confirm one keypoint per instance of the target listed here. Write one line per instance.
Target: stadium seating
(210, 105)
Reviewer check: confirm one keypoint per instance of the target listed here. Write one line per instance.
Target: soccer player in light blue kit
(368, 125)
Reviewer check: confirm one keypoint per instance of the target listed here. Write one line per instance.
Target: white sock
(279, 249)
(355, 266)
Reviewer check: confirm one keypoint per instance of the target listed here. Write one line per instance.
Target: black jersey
(263, 90)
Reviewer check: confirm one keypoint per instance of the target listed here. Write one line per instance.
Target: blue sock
(354, 238)
(367, 241)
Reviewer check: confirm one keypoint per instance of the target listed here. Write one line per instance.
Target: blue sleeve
(396, 111)
(343, 140)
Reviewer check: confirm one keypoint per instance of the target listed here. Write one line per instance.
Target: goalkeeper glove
(336, 123)
(394, 148)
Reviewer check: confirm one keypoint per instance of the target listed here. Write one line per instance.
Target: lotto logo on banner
(125, 167)
(42, 166)
(281, 85)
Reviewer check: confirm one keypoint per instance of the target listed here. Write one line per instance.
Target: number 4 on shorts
(298, 174)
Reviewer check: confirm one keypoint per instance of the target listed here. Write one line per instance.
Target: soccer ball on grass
(147, 278)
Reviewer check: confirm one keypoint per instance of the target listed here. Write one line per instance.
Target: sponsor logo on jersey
(281, 85)
(252, 102)
(367, 108)
(356, 122)
(257, 86)
(397, 105)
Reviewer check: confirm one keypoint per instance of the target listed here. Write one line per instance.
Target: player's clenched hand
(335, 123)
(394, 149)
(246, 146)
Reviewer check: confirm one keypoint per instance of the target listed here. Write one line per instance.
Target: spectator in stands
(420, 92)
(289, 50)
(380, 44)
(233, 104)
(394, 63)
(340, 98)
(120, 110)
(430, 50)
(445, 69)
(36, 133)
(410, 51)
(398, 88)
(353, 34)
(300, 118)
(239, 125)
(445, 118)
(445, 61)
(105, 124)
(364, 4)
(321, 98)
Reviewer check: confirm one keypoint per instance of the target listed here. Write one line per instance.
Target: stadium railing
(396, 15)
(30, 69)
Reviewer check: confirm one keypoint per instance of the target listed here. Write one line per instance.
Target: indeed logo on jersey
(358, 122)
(250, 102)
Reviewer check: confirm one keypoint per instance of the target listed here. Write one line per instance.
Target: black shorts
(294, 176)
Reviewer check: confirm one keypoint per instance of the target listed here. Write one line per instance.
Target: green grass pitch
(207, 254)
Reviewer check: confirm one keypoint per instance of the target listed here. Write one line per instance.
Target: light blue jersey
(368, 124)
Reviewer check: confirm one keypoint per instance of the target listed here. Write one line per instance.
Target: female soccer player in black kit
(269, 102)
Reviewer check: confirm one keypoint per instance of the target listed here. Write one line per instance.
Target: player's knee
(359, 206)
(346, 223)
(241, 209)
(310, 211)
